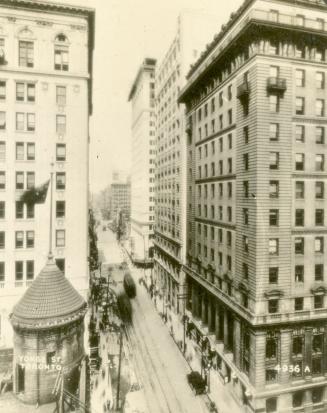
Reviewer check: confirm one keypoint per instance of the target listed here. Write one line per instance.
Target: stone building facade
(256, 205)
(45, 103)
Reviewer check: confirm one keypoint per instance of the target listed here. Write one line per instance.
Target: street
(158, 363)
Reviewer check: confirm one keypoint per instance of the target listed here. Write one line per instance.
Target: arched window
(26, 47)
(61, 56)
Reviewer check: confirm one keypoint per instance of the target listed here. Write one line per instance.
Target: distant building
(120, 200)
(195, 28)
(143, 160)
(45, 102)
(256, 205)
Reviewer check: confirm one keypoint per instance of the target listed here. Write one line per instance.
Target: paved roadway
(159, 365)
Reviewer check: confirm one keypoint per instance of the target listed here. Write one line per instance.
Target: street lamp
(183, 297)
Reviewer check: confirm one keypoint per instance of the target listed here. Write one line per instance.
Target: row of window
(229, 186)
(26, 180)
(212, 107)
(298, 398)
(300, 78)
(213, 125)
(318, 302)
(300, 133)
(61, 53)
(26, 239)
(25, 122)
(220, 217)
(212, 146)
(26, 151)
(205, 168)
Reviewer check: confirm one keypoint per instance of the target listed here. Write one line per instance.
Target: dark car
(196, 382)
(129, 285)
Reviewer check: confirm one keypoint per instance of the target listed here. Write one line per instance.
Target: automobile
(135, 402)
(196, 382)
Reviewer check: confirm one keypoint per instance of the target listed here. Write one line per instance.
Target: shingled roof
(50, 301)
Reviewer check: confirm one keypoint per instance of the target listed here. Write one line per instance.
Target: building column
(195, 299)
(285, 356)
(217, 325)
(237, 342)
(257, 374)
(203, 311)
(307, 350)
(225, 330)
(209, 309)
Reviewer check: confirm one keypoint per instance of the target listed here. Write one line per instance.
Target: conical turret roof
(50, 301)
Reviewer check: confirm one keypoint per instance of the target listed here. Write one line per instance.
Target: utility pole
(119, 364)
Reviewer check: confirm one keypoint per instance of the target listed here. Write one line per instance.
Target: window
(273, 189)
(2, 179)
(318, 301)
(274, 103)
(299, 273)
(319, 244)
(299, 245)
(2, 120)
(19, 210)
(273, 131)
(298, 304)
(299, 133)
(230, 116)
(320, 134)
(320, 80)
(212, 105)
(61, 59)
(273, 217)
(274, 47)
(229, 92)
(300, 51)
(274, 71)
(299, 106)
(319, 190)
(30, 211)
(297, 345)
(221, 122)
(220, 98)
(26, 54)
(299, 161)
(299, 20)
(20, 121)
(30, 181)
(320, 107)
(29, 239)
(30, 151)
(230, 165)
(319, 217)
(246, 161)
(2, 271)
(230, 189)
(60, 262)
(30, 121)
(320, 54)
(300, 77)
(319, 272)
(245, 270)
(19, 239)
(229, 239)
(2, 209)
(2, 89)
(273, 160)
(273, 246)
(230, 140)
(273, 275)
(245, 243)
(320, 162)
(25, 92)
(61, 151)
(272, 306)
(61, 124)
(29, 270)
(271, 405)
(299, 217)
(60, 180)
(60, 209)
(61, 95)
(19, 180)
(213, 147)
(2, 151)
(246, 135)
(299, 189)
(297, 399)
(19, 270)
(317, 394)
(60, 238)
(2, 240)
(271, 348)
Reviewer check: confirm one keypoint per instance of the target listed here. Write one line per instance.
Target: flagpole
(51, 196)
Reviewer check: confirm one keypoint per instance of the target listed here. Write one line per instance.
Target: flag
(35, 195)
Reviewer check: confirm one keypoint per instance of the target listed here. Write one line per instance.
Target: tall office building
(45, 103)
(256, 205)
(120, 200)
(143, 160)
(194, 29)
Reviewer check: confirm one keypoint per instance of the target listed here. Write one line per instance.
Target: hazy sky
(126, 32)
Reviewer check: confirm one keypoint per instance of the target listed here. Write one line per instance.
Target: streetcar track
(164, 371)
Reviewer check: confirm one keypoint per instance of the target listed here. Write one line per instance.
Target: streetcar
(129, 285)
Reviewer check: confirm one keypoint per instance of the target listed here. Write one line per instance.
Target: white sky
(126, 32)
